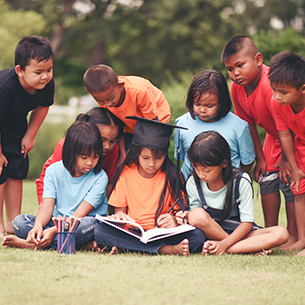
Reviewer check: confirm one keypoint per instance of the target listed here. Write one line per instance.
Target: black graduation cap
(151, 133)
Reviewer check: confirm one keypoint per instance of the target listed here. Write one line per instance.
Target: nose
(277, 96)
(89, 161)
(151, 163)
(105, 145)
(203, 109)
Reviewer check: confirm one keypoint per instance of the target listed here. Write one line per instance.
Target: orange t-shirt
(142, 99)
(140, 195)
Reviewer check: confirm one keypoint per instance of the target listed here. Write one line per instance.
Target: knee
(199, 218)
(282, 234)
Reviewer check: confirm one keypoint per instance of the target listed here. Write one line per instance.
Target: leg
(271, 207)
(12, 198)
(199, 218)
(84, 235)
(261, 239)
(2, 228)
(299, 207)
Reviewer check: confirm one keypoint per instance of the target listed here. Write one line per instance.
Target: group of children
(100, 169)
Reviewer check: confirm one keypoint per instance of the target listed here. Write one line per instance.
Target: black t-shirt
(16, 103)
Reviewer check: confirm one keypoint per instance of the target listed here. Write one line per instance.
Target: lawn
(44, 277)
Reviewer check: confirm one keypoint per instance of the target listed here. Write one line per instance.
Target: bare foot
(12, 241)
(302, 253)
(9, 228)
(298, 245)
(114, 250)
(180, 249)
(92, 246)
(291, 240)
(263, 252)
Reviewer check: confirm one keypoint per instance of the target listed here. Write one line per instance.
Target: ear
(19, 71)
(121, 83)
(303, 89)
(259, 59)
(224, 165)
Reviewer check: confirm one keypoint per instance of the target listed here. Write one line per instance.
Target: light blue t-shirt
(69, 192)
(216, 199)
(231, 127)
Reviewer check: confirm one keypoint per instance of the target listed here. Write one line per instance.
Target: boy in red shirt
(251, 95)
(126, 96)
(287, 79)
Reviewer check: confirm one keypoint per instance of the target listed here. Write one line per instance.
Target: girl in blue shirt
(209, 105)
(75, 186)
(221, 210)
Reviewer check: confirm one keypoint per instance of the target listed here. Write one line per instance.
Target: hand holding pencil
(182, 217)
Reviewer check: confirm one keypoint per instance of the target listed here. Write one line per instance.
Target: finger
(297, 187)
(276, 165)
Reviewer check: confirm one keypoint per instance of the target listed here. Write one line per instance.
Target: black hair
(173, 182)
(236, 44)
(100, 78)
(32, 47)
(212, 82)
(82, 138)
(287, 68)
(209, 148)
(102, 116)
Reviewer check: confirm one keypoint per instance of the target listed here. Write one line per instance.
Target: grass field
(44, 277)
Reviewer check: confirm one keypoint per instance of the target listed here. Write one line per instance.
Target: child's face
(111, 97)
(109, 134)
(36, 75)
(149, 164)
(287, 95)
(244, 68)
(206, 107)
(84, 164)
(211, 175)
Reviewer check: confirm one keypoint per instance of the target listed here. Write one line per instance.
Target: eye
(240, 65)
(229, 69)
(83, 157)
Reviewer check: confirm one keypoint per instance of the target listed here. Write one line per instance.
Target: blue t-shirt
(69, 192)
(231, 127)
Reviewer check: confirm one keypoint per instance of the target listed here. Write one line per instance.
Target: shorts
(18, 166)
(272, 184)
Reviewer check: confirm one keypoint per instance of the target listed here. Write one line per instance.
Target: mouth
(239, 80)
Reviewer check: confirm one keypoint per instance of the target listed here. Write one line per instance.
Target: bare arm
(3, 160)
(37, 117)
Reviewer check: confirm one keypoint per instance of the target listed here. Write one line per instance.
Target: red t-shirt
(140, 195)
(109, 167)
(142, 99)
(257, 109)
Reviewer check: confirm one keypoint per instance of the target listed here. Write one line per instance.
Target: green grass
(44, 277)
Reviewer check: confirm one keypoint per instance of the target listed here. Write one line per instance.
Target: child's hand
(180, 215)
(285, 171)
(120, 215)
(3, 162)
(34, 235)
(213, 247)
(27, 143)
(47, 238)
(166, 221)
(260, 166)
(297, 176)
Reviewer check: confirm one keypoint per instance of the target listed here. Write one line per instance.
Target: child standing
(75, 186)
(287, 79)
(211, 191)
(111, 129)
(29, 86)
(209, 105)
(145, 187)
(126, 96)
(251, 94)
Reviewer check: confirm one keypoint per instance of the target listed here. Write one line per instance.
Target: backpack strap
(200, 192)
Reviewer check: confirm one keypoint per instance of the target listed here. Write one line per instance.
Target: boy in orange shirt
(126, 96)
(251, 95)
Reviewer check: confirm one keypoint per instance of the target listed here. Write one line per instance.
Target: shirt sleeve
(147, 104)
(276, 112)
(118, 196)
(194, 200)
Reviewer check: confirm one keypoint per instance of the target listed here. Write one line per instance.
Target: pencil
(170, 208)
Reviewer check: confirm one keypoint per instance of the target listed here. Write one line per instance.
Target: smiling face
(36, 75)
(109, 134)
(149, 164)
(244, 67)
(112, 97)
(288, 95)
(206, 107)
(84, 164)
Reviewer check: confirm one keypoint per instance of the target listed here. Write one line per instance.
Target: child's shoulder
(8, 78)
(185, 118)
(137, 82)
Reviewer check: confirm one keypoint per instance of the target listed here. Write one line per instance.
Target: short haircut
(102, 116)
(212, 82)
(287, 68)
(100, 78)
(82, 138)
(32, 47)
(236, 44)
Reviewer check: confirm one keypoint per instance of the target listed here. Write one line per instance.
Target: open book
(137, 231)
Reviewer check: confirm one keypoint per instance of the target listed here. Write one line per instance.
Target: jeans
(106, 235)
(84, 234)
